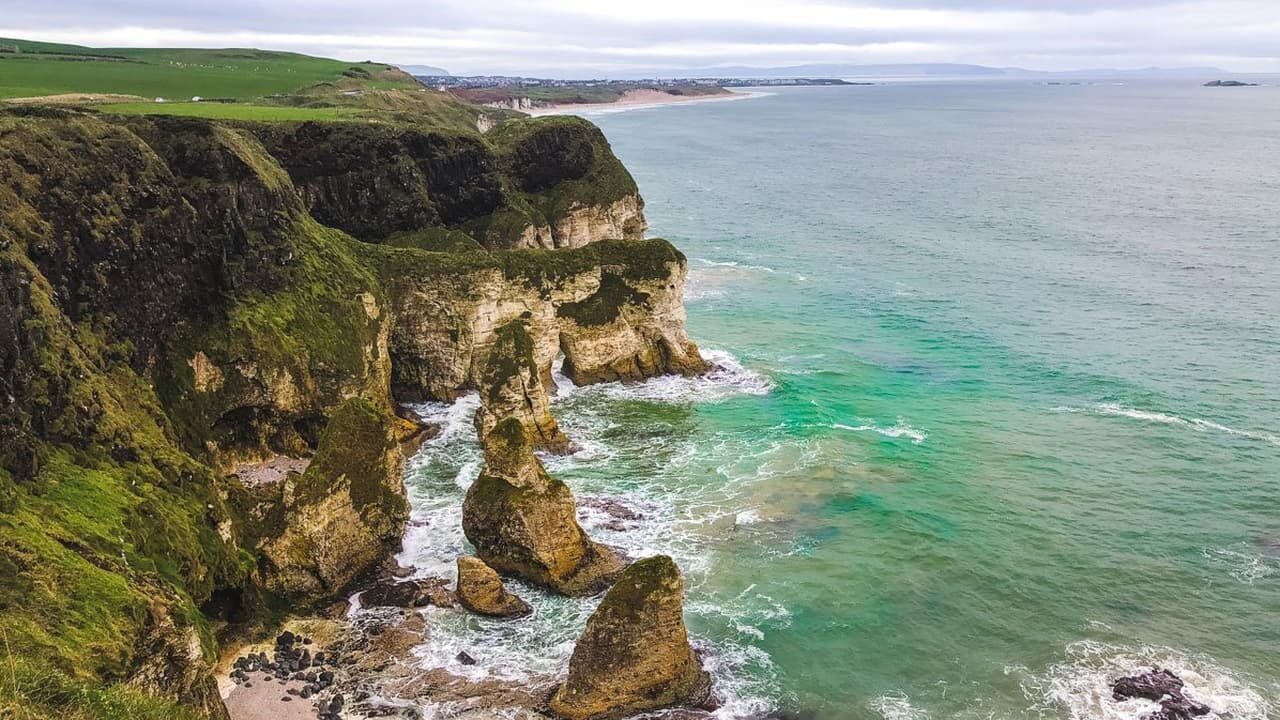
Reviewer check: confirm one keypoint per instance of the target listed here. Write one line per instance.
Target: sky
(599, 38)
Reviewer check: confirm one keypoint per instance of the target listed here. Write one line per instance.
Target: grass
(233, 111)
(40, 69)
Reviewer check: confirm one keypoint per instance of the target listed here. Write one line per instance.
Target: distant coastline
(638, 99)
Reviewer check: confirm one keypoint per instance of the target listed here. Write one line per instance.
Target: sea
(996, 418)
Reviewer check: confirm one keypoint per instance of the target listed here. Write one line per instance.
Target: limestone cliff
(614, 308)
(179, 296)
(524, 522)
(549, 183)
(634, 654)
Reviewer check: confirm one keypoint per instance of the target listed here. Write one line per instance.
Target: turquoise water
(1000, 418)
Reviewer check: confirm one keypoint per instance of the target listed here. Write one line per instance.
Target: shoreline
(634, 100)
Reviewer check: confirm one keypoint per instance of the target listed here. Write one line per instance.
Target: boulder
(523, 522)
(511, 386)
(1163, 687)
(480, 590)
(634, 655)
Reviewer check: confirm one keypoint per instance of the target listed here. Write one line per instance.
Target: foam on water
(1244, 563)
(727, 378)
(900, 430)
(1081, 684)
(664, 514)
(1199, 424)
(897, 707)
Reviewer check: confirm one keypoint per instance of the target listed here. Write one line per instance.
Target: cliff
(182, 297)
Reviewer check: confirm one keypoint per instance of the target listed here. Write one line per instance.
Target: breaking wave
(1081, 684)
(1199, 424)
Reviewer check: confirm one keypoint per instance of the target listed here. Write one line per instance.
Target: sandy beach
(637, 100)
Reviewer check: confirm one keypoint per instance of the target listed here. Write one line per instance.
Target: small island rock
(480, 590)
(634, 654)
(523, 522)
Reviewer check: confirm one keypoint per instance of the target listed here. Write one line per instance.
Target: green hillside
(32, 69)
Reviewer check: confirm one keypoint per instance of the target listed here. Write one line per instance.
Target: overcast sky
(599, 37)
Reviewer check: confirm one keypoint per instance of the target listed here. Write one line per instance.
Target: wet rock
(1163, 687)
(409, 594)
(480, 590)
(523, 522)
(465, 659)
(634, 654)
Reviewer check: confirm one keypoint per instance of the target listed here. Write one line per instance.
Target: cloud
(576, 37)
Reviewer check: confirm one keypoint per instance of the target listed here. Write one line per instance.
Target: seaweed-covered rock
(346, 512)
(480, 590)
(524, 522)
(634, 654)
(511, 386)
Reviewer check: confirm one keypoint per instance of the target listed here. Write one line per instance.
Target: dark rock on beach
(409, 594)
(1163, 687)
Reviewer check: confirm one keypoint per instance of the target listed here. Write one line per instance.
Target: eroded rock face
(634, 654)
(480, 590)
(342, 516)
(582, 224)
(511, 386)
(615, 309)
(524, 522)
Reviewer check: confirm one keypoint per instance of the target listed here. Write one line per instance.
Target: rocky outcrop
(480, 590)
(342, 516)
(634, 654)
(614, 308)
(582, 224)
(179, 296)
(1162, 687)
(531, 183)
(512, 386)
(524, 522)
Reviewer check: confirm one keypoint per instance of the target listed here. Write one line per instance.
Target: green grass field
(32, 69)
(233, 111)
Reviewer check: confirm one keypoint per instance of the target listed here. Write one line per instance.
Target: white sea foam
(676, 517)
(897, 707)
(1081, 684)
(1244, 563)
(1152, 416)
(900, 430)
(728, 377)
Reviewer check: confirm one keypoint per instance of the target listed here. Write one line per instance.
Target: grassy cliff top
(233, 83)
(34, 69)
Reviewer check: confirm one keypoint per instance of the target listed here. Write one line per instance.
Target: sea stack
(512, 387)
(634, 654)
(523, 522)
(481, 591)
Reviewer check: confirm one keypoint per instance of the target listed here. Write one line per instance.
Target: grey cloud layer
(574, 36)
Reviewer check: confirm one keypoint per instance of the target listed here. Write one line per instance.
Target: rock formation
(480, 590)
(342, 516)
(180, 296)
(634, 654)
(614, 308)
(524, 522)
(1163, 687)
(511, 386)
